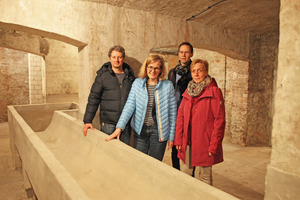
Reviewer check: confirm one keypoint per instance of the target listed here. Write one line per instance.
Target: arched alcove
(48, 62)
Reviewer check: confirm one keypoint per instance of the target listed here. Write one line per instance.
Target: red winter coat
(207, 118)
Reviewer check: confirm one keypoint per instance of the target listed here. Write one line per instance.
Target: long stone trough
(58, 162)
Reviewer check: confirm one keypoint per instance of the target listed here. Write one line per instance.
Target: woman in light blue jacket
(152, 106)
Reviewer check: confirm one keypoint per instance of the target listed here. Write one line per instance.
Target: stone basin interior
(57, 157)
(38, 117)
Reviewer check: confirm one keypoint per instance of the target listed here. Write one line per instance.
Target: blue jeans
(110, 128)
(148, 142)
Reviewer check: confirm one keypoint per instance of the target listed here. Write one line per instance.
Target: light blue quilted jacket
(165, 105)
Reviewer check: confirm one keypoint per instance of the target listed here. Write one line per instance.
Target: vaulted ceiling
(256, 16)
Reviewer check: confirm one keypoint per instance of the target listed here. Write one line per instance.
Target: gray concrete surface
(63, 164)
(41, 170)
(242, 174)
(11, 180)
(243, 171)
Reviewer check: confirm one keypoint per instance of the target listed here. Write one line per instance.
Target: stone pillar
(262, 64)
(283, 173)
(36, 86)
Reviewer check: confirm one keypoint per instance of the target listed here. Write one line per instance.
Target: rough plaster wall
(137, 31)
(36, 79)
(263, 62)
(20, 40)
(142, 31)
(62, 68)
(54, 17)
(232, 43)
(283, 174)
(14, 86)
(101, 26)
(170, 61)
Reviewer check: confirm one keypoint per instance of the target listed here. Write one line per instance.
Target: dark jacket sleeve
(93, 100)
(171, 77)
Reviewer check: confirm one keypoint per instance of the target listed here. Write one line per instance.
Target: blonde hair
(204, 62)
(152, 59)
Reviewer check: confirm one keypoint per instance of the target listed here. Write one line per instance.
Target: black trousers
(175, 159)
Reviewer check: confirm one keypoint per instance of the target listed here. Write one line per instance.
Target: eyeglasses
(153, 68)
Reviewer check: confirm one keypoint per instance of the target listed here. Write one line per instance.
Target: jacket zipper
(159, 117)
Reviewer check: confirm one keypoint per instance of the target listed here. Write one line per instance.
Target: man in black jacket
(110, 89)
(180, 77)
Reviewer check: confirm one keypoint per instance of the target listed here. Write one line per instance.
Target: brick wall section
(36, 86)
(263, 62)
(14, 86)
(236, 100)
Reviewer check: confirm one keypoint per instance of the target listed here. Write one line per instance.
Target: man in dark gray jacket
(180, 77)
(110, 90)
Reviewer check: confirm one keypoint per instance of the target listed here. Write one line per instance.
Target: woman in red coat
(201, 122)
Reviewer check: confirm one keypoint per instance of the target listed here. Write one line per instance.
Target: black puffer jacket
(107, 92)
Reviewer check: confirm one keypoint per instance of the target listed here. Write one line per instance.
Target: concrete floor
(11, 180)
(243, 171)
(242, 174)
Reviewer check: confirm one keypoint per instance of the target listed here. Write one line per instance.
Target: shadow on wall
(134, 63)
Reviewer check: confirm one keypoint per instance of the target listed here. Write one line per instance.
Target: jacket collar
(107, 67)
(205, 91)
(157, 86)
